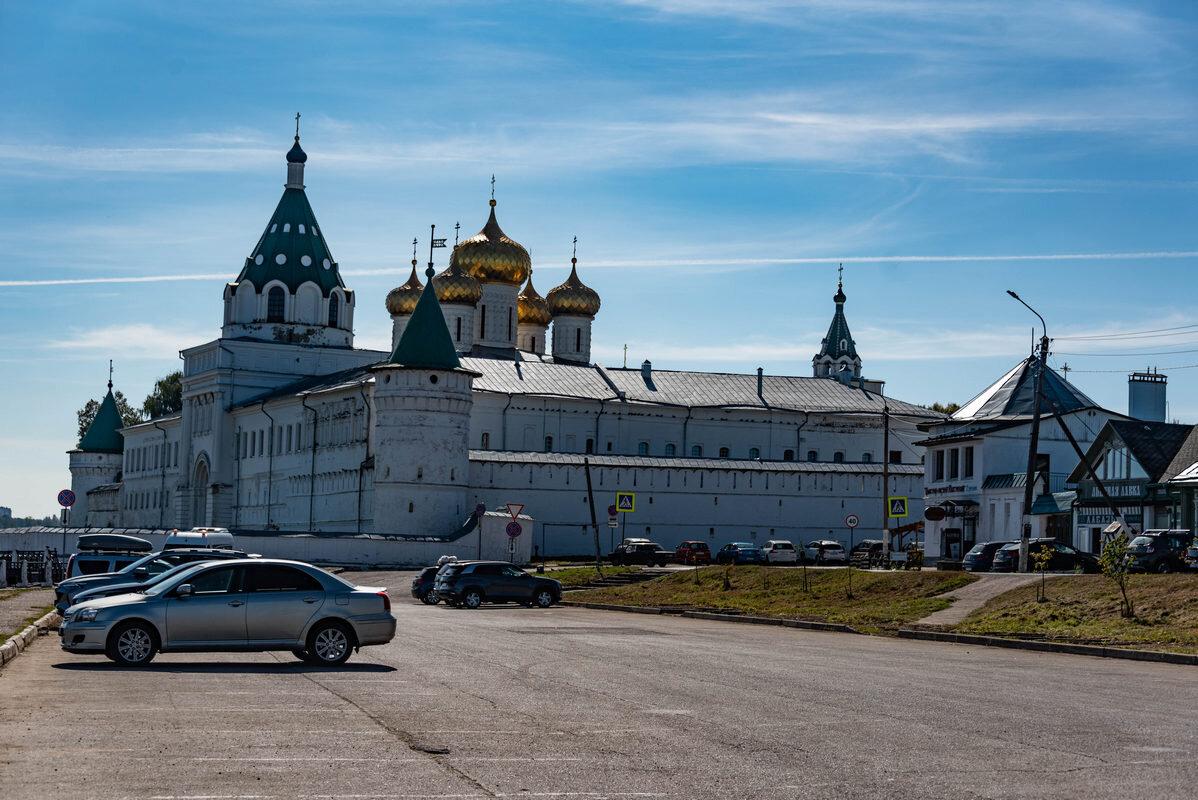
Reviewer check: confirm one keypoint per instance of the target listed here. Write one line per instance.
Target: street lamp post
(1025, 538)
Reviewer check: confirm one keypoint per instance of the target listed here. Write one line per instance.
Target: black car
(981, 556)
(472, 583)
(641, 552)
(424, 586)
(1159, 551)
(1064, 558)
(866, 553)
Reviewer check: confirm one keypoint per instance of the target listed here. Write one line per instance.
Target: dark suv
(981, 556)
(472, 583)
(641, 552)
(1159, 551)
(424, 586)
(1064, 558)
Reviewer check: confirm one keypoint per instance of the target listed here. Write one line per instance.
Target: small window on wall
(486, 441)
(334, 310)
(896, 457)
(457, 335)
(642, 448)
(723, 452)
(967, 469)
(788, 455)
(609, 447)
(754, 452)
(812, 455)
(697, 451)
(670, 450)
(548, 444)
(275, 302)
(954, 462)
(867, 458)
(838, 457)
(938, 465)
(590, 448)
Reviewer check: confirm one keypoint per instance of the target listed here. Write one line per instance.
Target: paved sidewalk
(975, 595)
(17, 606)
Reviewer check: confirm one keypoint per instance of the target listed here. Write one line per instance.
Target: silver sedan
(240, 605)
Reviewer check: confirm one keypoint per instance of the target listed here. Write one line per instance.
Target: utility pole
(586, 465)
(885, 480)
(1042, 365)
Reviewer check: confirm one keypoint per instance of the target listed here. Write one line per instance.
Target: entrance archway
(199, 511)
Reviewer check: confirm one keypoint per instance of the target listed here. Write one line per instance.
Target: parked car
(1192, 557)
(424, 586)
(200, 537)
(981, 556)
(780, 551)
(692, 553)
(640, 551)
(112, 589)
(472, 583)
(1159, 551)
(101, 553)
(1064, 558)
(825, 551)
(240, 605)
(139, 571)
(865, 553)
(740, 553)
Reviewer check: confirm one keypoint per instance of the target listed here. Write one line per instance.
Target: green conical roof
(103, 435)
(293, 237)
(839, 342)
(426, 341)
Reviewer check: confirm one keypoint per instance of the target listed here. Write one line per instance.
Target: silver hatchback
(241, 605)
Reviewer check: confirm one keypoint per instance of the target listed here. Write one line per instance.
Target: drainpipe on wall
(366, 440)
(503, 425)
(685, 422)
(162, 487)
(270, 463)
(799, 437)
(602, 400)
(312, 470)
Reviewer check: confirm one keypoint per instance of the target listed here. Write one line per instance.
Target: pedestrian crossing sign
(625, 501)
(898, 506)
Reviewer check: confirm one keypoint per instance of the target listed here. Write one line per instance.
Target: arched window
(866, 458)
(642, 448)
(590, 448)
(486, 443)
(334, 309)
(578, 340)
(697, 451)
(457, 336)
(812, 455)
(838, 457)
(275, 302)
(723, 452)
(482, 322)
(754, 452)
(670, 449)
(548, 444)
(788, 455)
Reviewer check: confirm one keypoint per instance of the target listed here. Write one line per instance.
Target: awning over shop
(1055, 503)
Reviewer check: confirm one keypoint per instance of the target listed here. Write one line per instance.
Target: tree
(1114, 563)
(945, 408)
(167, 397)
(129, 414)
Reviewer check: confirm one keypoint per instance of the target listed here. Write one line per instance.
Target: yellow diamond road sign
(625, 501)
(898, 506)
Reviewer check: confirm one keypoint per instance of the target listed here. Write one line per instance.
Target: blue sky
(715, 158)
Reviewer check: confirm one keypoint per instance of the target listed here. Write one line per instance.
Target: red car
(693, 553)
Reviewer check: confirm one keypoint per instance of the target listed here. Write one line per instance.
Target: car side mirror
(183, 591)
(141, 572)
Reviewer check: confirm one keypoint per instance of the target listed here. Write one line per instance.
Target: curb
(1187, 659)
(15, 644)
(1157, 656)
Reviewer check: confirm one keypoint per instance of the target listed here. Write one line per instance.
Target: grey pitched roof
(1162, 449)
(1013, 395)
(654, 462)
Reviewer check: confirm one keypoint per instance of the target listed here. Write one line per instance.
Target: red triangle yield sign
(514, 509)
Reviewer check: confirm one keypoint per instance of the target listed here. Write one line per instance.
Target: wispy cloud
(135, 342)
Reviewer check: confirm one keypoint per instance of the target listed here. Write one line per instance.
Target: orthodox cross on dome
(492, 187)
(574, 256)
(456, 227)
(413, 251)
(110, 374)
(297, 116)
(840, 275)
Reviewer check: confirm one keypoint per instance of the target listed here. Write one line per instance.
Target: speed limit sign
(851, 520)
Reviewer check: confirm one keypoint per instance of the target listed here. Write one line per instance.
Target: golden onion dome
(492, 257)
(573, 298)
(531, 308)
(402, 299)
(456, 285)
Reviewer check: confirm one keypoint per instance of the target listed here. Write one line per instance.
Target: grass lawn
(881, 601)
(1085, 609)
(579, 576)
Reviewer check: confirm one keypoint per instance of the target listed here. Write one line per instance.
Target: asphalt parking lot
(567, 702)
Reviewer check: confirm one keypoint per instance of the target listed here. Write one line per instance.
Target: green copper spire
(839, 342)
(103, 435)
(426, 341)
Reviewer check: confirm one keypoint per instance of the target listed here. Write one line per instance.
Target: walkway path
(975, 595)
(17, 606)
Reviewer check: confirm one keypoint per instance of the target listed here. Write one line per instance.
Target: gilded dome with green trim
(403, 299)
(491, 257)
(573, 298)
(456, 285)
(531, 308)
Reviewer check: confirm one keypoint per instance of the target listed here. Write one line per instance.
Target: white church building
(488, 396)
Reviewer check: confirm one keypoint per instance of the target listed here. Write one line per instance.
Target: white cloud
(139, 341)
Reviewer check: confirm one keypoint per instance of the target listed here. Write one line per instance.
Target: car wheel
(329, 644)
(473, 598)
(132, 644)
(301, 654)
(429, 598)
(1164, 568)
(543, 598)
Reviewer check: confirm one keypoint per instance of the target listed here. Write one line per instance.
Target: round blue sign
(611, 510)
(514, 529)
(66, 498)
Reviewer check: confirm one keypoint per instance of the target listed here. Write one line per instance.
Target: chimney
(759, 371)
(647, 370)
(1146, 396)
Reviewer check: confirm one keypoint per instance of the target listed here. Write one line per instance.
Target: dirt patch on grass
(1085, 609)
(880, 602)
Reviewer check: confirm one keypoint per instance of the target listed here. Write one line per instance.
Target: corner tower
(290, 289)
(422, 400)
(838, 352)
(98, 460)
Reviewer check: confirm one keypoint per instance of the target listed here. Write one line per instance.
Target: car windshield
(976, 549)
(1141, 541)
(783, 546)
(162, 584)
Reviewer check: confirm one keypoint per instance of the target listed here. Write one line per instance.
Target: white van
(200, 538)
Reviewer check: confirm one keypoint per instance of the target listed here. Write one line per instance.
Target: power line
(1129, 334)
(1135, 353)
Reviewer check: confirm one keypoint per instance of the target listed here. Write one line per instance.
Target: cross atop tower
(110, 374)
(840, 275)
(297, 116)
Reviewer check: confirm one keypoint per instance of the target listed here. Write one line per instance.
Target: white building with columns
(488, 396)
